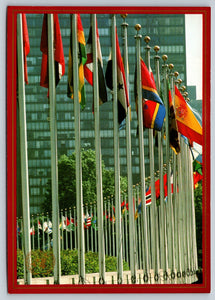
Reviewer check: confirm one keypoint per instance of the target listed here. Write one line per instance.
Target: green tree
(67, 181)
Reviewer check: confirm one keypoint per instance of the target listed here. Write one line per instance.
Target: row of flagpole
(155, 247)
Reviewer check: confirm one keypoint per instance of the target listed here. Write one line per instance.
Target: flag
(39, 226)
(93, 222)
(196, 178)
(187, 123)
(153, 109)
(149, 90)
(58, 53)
(88, 67)
(32, 231)
(122, 92)
(26, 45)
(82, 58)
(72, 225)
(173, 128)
(197, 164)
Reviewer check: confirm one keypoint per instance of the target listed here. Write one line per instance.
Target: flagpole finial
(183, 88)
(164, 57)
(124, 16)
(147, 39)
(179, 81)
(156, 48)
(137, 27)
(176, 74)
(185, 94)
(171, 66)
(187, 99)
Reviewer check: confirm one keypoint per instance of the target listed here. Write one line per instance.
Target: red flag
(26, 45)
(58, 53)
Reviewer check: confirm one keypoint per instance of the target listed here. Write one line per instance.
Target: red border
(11, 154)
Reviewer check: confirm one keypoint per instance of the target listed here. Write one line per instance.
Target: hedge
(43, 263)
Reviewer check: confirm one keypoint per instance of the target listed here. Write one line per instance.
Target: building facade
(167, 31)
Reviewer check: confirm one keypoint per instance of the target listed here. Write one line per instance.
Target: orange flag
(188, 125)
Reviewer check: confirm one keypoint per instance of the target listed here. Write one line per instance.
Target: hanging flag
(82, 58)
(188, 125)
(26, 45)
(153, 109)
(39, 226)
(72, 225)
(93, 222)
(58, 53)
(32, 231)
(149, 90)
(197, 164)
(122, 92)
(88, 67)
(173, 128)
(196, 178)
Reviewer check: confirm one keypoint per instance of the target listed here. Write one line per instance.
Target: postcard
(108, 149)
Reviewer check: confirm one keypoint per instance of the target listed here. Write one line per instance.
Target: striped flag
(122, 92)
(188, 125)
(82, 57)
(26, 45)
(58, 53)
(88, 67)
(153, 109)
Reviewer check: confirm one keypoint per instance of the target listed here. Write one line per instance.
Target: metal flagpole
(66, 217)
(38, 233)
(53, 135)
(79, 192)
(174, 197)
(70, 231)
(132, 243)
(24, 153)
(142, 162)
(98, 156)
(179, 212)
(116, 158)
(109, 229)
(33, 231)
(195, 263)
(170, 228)
(154, 228)
(163, 238)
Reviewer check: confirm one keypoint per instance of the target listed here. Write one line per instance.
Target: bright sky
(194, 52)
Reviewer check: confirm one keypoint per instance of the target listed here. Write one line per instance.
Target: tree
(67, 181)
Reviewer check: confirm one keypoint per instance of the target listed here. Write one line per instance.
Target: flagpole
(132, 243)
(116, 159)
(178, 201)
(174, 197)
(24, 152)
(195, 263)
(53, 135)
(154, 230)
(163, 248)
(142, 162)
(79, 192)
(170, 229)
(98, 156)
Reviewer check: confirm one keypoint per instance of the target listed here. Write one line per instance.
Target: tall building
(167, 31)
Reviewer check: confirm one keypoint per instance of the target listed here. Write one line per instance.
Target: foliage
(43, 262)
(198, 210)
(67, 181)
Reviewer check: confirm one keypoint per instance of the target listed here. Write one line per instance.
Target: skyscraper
(167, 31)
